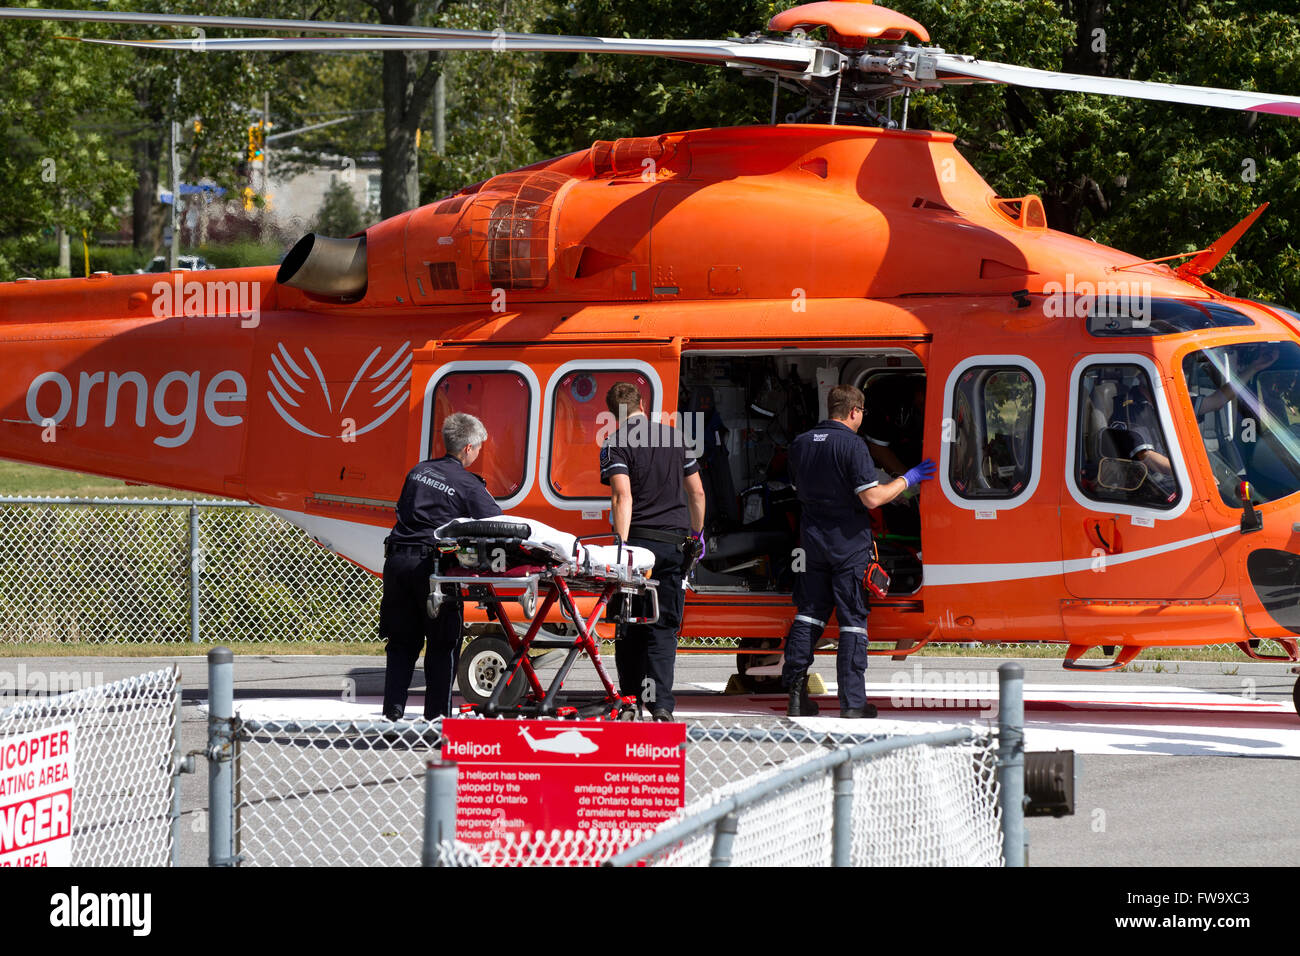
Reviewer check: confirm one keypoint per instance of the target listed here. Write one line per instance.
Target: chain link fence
(331, 794)
(908, 801)
(123, 745)
(117, 571)
(351, 794)
(105, 570)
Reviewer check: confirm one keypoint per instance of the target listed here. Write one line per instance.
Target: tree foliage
(57, 166)
(1151, 178)
(338, 214)
(579, 98)
(487, 96)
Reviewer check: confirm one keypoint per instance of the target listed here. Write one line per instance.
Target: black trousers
(405, 625)
(646, 654)
(823, 587)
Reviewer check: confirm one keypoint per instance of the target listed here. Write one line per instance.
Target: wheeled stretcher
(504, 560)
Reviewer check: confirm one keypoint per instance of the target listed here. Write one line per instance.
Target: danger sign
(520, 775)
(36, 798)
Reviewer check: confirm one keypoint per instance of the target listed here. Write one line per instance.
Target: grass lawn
(38, 481)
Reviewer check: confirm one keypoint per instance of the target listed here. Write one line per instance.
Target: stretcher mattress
(564, 549)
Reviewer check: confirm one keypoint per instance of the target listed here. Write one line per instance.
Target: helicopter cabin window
(1122, 454)
(744, 409)
(992, 433)
(579, 425)
(502, 400)
(1247, 401)
(1119, 316)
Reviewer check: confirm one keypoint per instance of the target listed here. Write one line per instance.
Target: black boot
(801, 705)
(866, 710)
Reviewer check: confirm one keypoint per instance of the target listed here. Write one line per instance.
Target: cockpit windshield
(1247, 402)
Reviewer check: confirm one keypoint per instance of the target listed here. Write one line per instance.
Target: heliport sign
(530, 775)
(36, 774)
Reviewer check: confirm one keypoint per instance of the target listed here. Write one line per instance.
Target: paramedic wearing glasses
(435, 492)
(837, 483)
(656, 502)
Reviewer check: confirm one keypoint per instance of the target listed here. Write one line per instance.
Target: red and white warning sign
(36, 798)
(518, 775)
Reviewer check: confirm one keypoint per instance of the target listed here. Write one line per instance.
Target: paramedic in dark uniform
(837, 483)
(435, 492)
(656, 502)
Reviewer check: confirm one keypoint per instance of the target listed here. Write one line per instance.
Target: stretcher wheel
(482, 664)
(627, 712)
(758, 683)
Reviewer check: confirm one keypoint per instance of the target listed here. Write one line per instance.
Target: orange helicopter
(1118, 443)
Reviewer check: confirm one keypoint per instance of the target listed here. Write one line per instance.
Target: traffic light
(256, 140)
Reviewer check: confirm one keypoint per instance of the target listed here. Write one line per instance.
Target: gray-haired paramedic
(837, 484)
(435, 492)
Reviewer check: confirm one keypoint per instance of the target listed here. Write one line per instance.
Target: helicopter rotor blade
(775, 55)
(951, 68)
(207, 22)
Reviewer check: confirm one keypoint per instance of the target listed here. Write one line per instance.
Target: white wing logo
(382, 392)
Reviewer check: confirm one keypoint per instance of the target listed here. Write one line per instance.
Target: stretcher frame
(539, 588)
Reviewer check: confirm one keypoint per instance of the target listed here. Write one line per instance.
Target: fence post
(724, 835)
(842, 815)
(194, 572)
(181, 764)
(1011, 761)
(439, 812)
(221, 746)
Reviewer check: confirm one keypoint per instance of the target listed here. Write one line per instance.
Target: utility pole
(173, 252)
(266, 166)
(440, 111)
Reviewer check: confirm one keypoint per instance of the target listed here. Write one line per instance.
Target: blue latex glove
(922, 472)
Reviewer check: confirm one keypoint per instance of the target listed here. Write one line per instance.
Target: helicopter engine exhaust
(335, 268)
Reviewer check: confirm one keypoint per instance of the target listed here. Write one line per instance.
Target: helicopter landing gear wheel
(482, 664)
(758, 683)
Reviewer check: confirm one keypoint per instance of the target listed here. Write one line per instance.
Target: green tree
(1151, 178)
(215, 96)
(338, 215)
(56, 168)
(579, 98)
(487, 98)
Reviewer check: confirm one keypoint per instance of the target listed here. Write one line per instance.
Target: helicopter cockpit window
(503, 402)
(993, 433)
(1120, 316)
(1122, 453)
(1247, 401)
(580, 424)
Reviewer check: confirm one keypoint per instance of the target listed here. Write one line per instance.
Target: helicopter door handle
(1103, 534)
